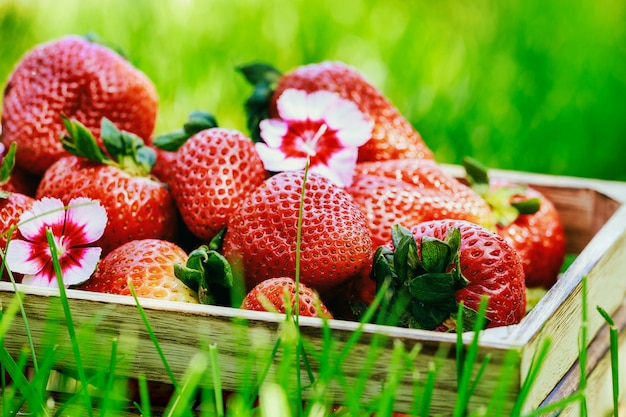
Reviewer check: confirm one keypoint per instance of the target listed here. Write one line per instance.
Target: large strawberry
(262, 234)
(527, 220)
(211, 173)
(149, 265)
(138, 207)
(80, 79)
(410, 191)
(393, 137)
(271, 295)
(435, 265)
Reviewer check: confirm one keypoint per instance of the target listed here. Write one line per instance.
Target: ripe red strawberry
(527, 220)
(436, 264)
(80, 79)
(393, 137)
(261, 235)
(409, 192)
(12, 202)
(270, 295)
(212, 173)
(149, 265)
(138, 207)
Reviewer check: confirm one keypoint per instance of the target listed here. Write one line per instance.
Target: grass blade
(614, 348)
(217, 381)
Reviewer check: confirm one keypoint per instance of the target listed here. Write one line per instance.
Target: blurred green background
(525, 84)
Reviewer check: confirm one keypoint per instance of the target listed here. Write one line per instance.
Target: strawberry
(213, 172)
(149, 265)
(262, 233)
(393, 137)
(12, 202)
(527, 220)
(435, 265)
(411, 191)
(271, 294)
(80, 79)
(138, 207)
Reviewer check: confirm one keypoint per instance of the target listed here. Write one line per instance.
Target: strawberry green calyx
(208, 273)
(6, 168)
(504, 200)
(423, 280)
(123, 149)
(264, 78)
(197, 122)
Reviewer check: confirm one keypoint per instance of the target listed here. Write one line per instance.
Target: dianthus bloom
(73, 228)
(321, 127)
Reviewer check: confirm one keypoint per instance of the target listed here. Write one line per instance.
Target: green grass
(524, 85)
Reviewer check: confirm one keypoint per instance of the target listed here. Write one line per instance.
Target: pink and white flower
(320, 127)
(73, 227)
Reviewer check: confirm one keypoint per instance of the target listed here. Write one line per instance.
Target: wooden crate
(594, 215)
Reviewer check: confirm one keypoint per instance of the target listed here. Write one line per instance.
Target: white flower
(73, 227)
(321, 127)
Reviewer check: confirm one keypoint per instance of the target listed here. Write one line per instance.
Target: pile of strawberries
(202, 214)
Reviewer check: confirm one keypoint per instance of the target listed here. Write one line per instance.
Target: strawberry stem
(197, 122)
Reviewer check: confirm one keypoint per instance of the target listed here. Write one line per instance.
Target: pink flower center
(312, 138)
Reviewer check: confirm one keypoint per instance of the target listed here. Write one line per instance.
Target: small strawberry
(212, 171)
(527, 220)
(261, 235)
(149, 265)
(393, 137)
(437, 264)
(271, 294)
(409, 192)
(12, 202)
(81, 79)
(138, 207)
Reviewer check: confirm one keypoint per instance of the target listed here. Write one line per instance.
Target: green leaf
(383, 266)
(217, 240)
(199, 121)
(405, 259)
(260, 73)
(206, 272)
(426, 316)
(437, 288)
(436, 254)
(257, 109)
(477, 173)
(397, 232)
(469, 318)
(80, 142)
(8, 163)
(528, 206)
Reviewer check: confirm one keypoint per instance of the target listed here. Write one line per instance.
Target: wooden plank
(598, 372)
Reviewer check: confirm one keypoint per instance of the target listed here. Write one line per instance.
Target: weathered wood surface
(595, 218)
(598, 373)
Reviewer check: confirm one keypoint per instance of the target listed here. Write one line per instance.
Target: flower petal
(340, 167)
(319, 102)
(20, 257)
(41, 280)
(79, 263)
(44, 212)
(275, 160)
(352, 128)
(293, 104)
(85, 221)
(273, 131)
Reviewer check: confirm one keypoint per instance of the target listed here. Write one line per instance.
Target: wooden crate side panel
(598, 372)
(559, 315)
(182, 330)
